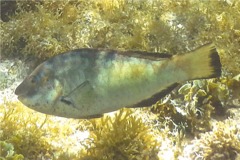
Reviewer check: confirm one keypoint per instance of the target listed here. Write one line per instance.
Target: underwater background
(200, 119)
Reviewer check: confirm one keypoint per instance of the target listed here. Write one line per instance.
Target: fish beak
(18, 90)
(21, 89)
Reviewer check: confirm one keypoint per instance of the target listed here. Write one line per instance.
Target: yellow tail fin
(203, 62)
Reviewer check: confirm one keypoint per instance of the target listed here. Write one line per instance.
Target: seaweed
(195, 103)
(122, 136)
(26, 133)
(7, 152)
(47, 28)
(21, 132)
(221, 143)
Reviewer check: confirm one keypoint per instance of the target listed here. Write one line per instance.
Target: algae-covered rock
(47, 28)
(221, 143)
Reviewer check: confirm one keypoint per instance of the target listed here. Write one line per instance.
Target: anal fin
(93, 116)
(154, 98)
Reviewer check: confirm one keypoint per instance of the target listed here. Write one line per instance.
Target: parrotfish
(86, 83)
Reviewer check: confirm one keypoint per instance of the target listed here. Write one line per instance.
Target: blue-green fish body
(87, 83)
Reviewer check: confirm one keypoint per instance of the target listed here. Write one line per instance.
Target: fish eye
(47, 79)
(33, 79)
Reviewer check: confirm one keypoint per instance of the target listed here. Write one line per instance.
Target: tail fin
(203, 62)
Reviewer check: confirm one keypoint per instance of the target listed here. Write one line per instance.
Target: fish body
(86, 83)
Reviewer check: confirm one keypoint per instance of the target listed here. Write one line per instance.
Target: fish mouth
(24, 100)
(19, 90)
(22, 90)
(20, 97)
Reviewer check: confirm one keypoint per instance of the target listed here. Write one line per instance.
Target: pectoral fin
(82, 88)
(75, 95)
(66, 100)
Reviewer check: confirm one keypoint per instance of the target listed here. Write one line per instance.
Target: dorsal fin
(146, 55)
(154, 98)
(155, 56)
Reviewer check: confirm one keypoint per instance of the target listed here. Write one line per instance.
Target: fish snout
(19, 90)
(22, 89)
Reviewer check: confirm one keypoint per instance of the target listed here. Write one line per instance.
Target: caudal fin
(203, 62)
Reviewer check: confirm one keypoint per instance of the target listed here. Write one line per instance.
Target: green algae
(47, 28)
(123, 136)
(221, 143)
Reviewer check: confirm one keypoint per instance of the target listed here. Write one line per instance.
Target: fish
(87, 83)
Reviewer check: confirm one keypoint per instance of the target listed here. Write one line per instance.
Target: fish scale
(126, 76)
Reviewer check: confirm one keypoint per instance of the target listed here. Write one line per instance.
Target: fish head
(39, 90)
